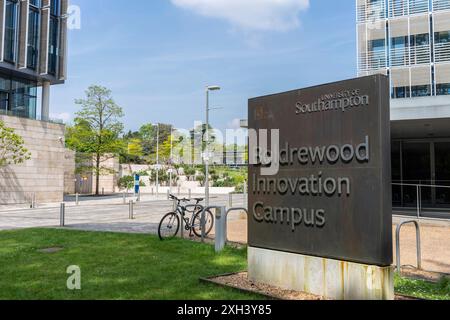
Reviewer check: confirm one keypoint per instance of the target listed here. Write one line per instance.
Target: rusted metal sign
(323, 187)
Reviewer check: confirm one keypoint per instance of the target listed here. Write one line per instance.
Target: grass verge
(113, 266)
(131, 266)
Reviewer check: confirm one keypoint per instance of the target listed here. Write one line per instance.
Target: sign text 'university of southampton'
(320, 195)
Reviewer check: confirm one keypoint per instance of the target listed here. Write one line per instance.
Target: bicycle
(170, 223)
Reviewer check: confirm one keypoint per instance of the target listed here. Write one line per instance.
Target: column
(45, 108)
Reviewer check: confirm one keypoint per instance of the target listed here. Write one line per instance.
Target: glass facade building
(409, 41)
(32, 54)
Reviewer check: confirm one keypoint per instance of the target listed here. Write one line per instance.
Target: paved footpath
(98, 215)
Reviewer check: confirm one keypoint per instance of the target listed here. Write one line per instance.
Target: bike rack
(419, 250)
(218, 209)
(220, 225)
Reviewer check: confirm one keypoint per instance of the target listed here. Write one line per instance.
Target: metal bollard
(153, 192)
(168, 194)
(124, 198)
(245, 192)
(33, 200)
(131, 210)
(221, 229)
(190, 193)
(77, 200)
(181, 226)
(174, 205)
(230, 200)
(103, 191)
(62, 215)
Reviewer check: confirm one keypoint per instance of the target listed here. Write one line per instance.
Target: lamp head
(213, 88)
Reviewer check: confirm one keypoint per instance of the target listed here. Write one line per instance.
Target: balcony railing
(442, 52)
(399, 57)
(418, 6)
(441, 5)
(371, 11)
(420, 55)
(372, 61)
(398, 8)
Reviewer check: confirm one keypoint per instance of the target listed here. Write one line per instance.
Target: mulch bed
(240, 281)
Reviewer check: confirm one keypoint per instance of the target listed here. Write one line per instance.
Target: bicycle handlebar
(172, 197)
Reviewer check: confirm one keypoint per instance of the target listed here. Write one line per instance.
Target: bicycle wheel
(209, 223)
(169, 226)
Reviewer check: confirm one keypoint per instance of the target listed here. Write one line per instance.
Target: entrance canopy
(421, 129)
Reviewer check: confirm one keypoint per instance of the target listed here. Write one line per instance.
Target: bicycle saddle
(199, 199)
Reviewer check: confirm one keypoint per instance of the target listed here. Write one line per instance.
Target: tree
(148, 134)
(97, 130)
(12, 150)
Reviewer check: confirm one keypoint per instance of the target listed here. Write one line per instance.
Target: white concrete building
(409, 40)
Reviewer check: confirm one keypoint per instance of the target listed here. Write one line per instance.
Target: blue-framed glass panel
(33, 34)
(421, 91)
(11, 28)
(443, 89)
(18, 97)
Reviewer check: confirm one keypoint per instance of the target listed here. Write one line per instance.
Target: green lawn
(113, 266)
(423, 289)
(130, 266)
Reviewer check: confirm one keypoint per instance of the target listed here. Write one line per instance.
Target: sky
(158, 56)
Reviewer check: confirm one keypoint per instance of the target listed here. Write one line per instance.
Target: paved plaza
(103, 214)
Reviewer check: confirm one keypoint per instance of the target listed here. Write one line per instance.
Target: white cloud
(262, 15)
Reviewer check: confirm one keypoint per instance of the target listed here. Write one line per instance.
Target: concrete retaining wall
(43, 174)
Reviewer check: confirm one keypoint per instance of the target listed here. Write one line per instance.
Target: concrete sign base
(331, 279)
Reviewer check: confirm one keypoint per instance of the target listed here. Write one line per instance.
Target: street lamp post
(171, 160)
(206, 157)
(157, 161)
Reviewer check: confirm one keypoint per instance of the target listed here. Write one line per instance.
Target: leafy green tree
(12, 150)
(126, 182)
(149, 134)
(96, 131)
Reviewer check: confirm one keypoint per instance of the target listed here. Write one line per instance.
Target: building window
(442, 37)
(33, 34)
(442, 46)
(400, 92)
(55, 8)
(420, 40)
(18, 98)
(399, 52)
(10, 30)
(421, 91)
(443, 89)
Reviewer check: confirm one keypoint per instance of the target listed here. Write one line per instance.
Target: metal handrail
(420, 185)
(418, 241)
